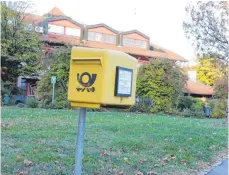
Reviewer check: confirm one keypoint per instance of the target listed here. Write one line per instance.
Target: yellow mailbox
(100, 77)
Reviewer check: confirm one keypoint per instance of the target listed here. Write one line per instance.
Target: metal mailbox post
(99, 77)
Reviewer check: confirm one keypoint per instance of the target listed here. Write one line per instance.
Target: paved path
(221, 169)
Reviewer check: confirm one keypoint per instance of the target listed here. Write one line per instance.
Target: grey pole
(53, 92)
(80, 142)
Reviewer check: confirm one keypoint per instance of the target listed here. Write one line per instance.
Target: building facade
(56, 29)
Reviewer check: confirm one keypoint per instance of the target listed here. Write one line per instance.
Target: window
(55, 29)
(39, 29)
(29, 27)
(128, 41)
(140, 43)
(98, 36)
(72, 31)
(109, 39)
(93, 36)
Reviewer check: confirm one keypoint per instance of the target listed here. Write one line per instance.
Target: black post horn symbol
(91, 79)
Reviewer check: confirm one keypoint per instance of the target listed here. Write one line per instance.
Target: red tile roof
(30, 18)
(198, 88)
(158, 53)
(56, 12)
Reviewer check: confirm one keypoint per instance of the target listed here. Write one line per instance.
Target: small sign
(123, 82)
(53, 79)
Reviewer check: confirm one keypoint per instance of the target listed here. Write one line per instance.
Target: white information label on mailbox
(123, 82)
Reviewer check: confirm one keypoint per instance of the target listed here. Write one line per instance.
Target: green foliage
(197, 104)
(185, 102)
(221, 87)
(162, 82)
(206, 25)
(58, 65)
(209, 70)
(32, 103)
(197, 113)
(219, 109)
(144, 105)
(20, 48)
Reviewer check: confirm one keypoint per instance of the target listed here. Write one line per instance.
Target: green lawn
(113, 141)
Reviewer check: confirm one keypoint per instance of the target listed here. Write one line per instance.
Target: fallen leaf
(173, 156)
(121, 173)
(151, 173)
(35, 150)
(184, 162)
(156, 165)
(26, 172)
(165, 159)
(139, 173)
(17, 156)
(56, 162)
(19, 172)
(140, 161)
(10, 124)
(27, 162)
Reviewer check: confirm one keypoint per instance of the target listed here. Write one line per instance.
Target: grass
(113, 142)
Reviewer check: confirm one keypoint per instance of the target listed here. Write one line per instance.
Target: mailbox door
(85, 82)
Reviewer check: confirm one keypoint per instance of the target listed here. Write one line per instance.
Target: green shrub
(192, 113)
(197, 104)
(185, 102)
(21, 105)
(162, 81)
(32, 103)
(143, 105)
(219, 109)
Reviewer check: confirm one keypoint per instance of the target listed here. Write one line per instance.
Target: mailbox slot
(87, 61)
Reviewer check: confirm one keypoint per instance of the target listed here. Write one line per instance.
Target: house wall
(64, 23)
(102, 30)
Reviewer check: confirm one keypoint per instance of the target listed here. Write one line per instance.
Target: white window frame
(39, 29)
(72, 31)
(128, 41)
(53, 26)
(140, 43)
(109, 39)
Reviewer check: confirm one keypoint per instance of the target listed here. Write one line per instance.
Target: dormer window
(110, 39)
(128, 42)
(55, 29)
(72, 31)
(93, 36)
(140, 43)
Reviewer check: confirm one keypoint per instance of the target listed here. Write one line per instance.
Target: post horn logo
(88, 84)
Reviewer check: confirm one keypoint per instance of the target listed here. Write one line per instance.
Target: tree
(209, 70)
(162, 81)
(20, 47)
(206, 25)
(58, 64)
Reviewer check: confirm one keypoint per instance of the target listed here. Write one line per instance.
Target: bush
(32, 103)
(192, 113)
(185, 102)
(219, 109)
(143, 105)
(197, 104)
(161, 81)
(21, 105)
